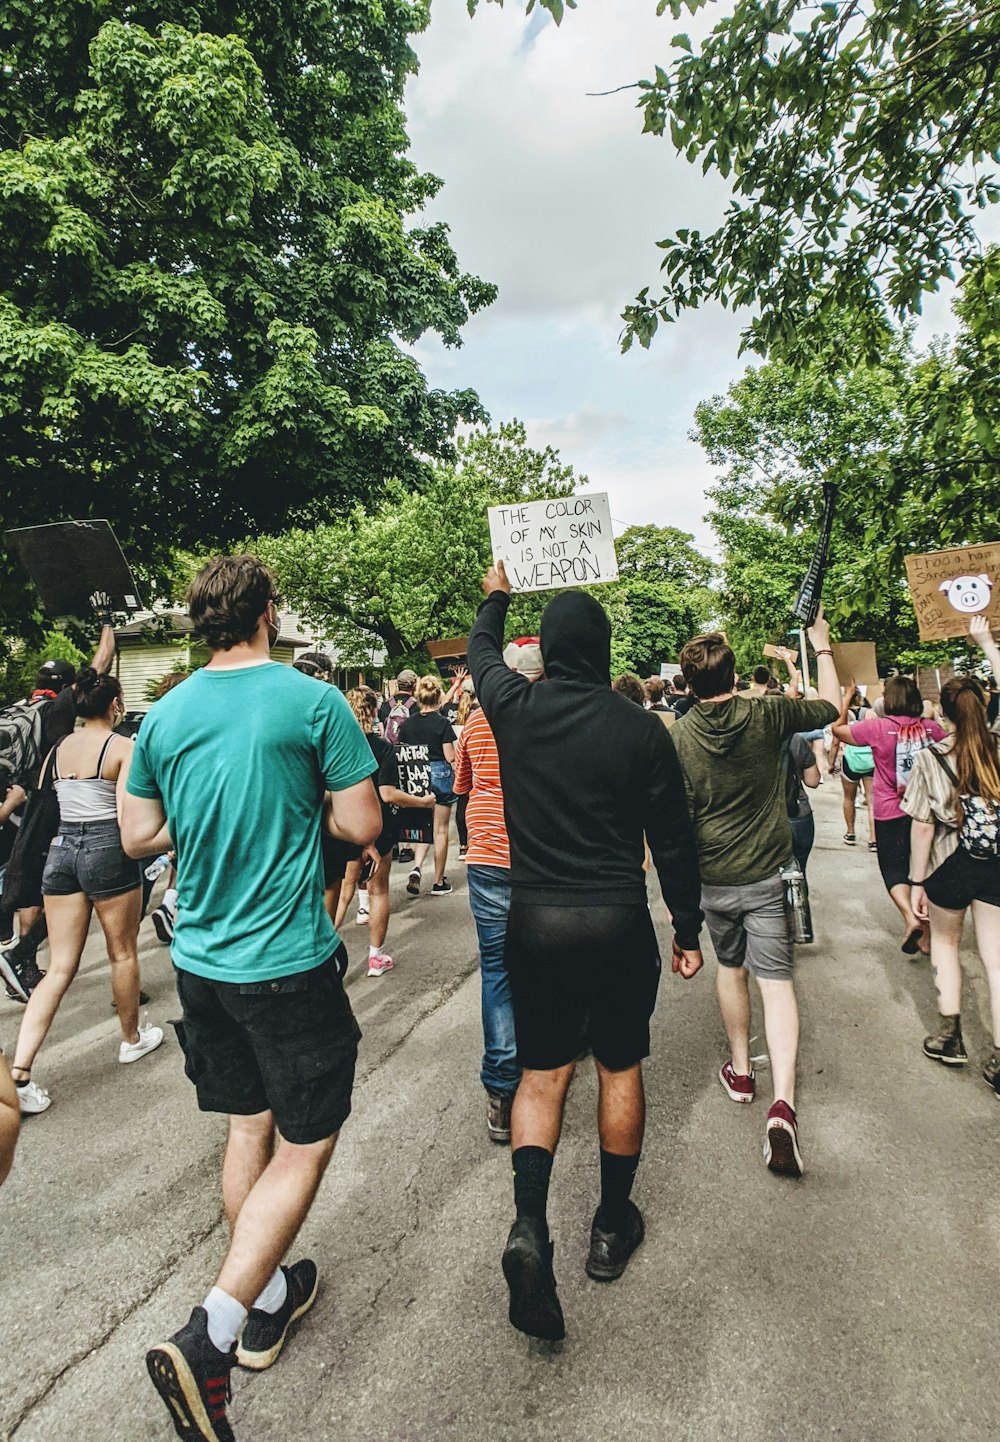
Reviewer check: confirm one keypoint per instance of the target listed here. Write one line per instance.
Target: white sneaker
(149, 1039)
(33, 1099)
(362, 917)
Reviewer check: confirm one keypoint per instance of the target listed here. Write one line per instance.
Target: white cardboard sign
(546, 545)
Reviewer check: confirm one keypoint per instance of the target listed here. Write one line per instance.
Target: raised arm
(497, 686)
(827, 682)
(979, 630)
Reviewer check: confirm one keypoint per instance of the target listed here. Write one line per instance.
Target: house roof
(179, 624)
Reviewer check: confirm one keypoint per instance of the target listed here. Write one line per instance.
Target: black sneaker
(30, 974)
(265, 1332)
(946, 1045)
(610, 1251)
(163, 924)
(192, 1377)
(12, 972)
(498, 1117)
(441, 888)
(527, 1266)
(413, 882)
(405, 854)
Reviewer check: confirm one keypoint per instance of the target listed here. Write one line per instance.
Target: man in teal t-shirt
(232, 769)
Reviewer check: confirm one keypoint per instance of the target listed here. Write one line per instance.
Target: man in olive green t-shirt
(731, 751)
(234, 770)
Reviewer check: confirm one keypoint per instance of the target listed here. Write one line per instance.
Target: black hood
(576, 639)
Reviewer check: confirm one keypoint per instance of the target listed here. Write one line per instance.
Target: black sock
(532, 1169)
(617, 1176)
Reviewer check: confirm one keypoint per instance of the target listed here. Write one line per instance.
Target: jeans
(803, 836)
(489, 899)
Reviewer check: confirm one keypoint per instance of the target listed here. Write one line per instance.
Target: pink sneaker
(738, 1088)
(379, 965)
(781, 1141)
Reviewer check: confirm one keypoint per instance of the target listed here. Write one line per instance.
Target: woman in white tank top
(86, 870)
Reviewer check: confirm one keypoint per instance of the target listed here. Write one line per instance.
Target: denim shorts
(288, 1046)
(87, 856)
(443, 783)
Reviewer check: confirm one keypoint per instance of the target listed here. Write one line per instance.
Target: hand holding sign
(496, 580)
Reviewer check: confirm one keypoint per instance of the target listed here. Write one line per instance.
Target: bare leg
(119, 917)
(850, 789)
(536, 1117)
(986, 920)
(69, 919)
(946, 935)
(867, 784)
(331, 899)
(733, 992)
(900, 896)
(378, 903)
(781, 1026)
(348, 887)
(248, 1154)
(26, 919)
(621, 1110)
(270, 1217)
(442, 824)
(420, 853)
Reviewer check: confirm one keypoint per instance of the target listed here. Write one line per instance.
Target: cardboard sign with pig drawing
(949, 587)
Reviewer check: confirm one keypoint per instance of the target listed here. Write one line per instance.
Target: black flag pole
(811, 590)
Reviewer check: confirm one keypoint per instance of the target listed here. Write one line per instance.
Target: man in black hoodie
(585, 774)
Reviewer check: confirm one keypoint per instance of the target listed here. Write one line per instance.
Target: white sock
(225, 1318)
(169, 899)
(374, 951)
(274, 1294)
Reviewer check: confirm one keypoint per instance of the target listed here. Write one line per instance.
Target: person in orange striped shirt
(477, 774)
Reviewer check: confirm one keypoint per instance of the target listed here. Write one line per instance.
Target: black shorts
(892, 841)
(336, 855)
(287, 1046)
(962, 879)
(581, 976)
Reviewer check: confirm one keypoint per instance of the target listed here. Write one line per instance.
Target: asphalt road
(859, 1303)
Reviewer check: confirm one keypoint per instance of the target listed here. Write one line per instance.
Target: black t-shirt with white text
(429, 729)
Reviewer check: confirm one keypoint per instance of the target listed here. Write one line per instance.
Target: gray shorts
(749, 927)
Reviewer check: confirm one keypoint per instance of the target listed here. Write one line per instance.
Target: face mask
(272, 634)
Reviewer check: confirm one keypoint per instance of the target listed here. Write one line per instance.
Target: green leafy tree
(774, 437)
(662, 553)
(650, 622)
(208, 266)
(408, 568)
(19, 681)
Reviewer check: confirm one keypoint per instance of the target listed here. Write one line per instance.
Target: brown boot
(947, 1045)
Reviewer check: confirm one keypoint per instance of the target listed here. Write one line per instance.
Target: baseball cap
(55, 675)
(406, 678)
(525, 657)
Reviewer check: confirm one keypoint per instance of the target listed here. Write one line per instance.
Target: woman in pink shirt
(895, 738)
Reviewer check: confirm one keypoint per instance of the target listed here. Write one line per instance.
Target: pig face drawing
(968, 594)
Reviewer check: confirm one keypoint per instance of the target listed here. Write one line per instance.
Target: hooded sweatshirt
(732, 755)
(584, 771)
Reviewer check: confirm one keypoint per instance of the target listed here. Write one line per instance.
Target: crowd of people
(567, 787)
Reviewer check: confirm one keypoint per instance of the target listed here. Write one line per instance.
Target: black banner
(72, 560)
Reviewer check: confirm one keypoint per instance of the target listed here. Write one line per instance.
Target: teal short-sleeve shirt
(240, 760)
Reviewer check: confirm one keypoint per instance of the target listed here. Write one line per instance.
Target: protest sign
(71, 560)
(948, 587)
(545, 545)
(855, 660)
(775, 653)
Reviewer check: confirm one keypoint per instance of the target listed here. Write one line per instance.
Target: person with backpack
(427, 741)
(895, 738)
(857, 767)
(28, 732)
(398, 708)
(953, 800)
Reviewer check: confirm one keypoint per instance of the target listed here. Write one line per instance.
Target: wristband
(825, 652)
(911, 882)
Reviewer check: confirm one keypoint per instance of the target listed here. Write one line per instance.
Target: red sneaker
(738, 1088)
(781, 1141)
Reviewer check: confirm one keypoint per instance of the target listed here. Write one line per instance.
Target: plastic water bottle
(797, 902)
(157, 867)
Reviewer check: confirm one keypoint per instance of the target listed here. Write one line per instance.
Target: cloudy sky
(558, 198)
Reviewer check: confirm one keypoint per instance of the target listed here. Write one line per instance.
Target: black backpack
(21, 740)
